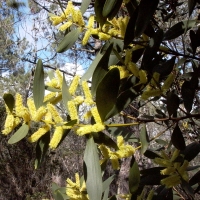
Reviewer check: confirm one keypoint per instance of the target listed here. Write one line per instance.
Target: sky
(38, 34)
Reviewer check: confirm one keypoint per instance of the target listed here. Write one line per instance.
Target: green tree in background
(149, 55)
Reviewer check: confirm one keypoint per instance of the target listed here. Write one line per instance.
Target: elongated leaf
(144, 139)
(38, 85)
(151, 179)
(129, 34)
(98, 8)
(188, 93)
(107, 92)
(41, 149)
(102, 138)
(134, 176)
(195, 179)
(65, 93)
(146, 11)
(107, 182)
(177, 138)
(94, 179)
(154, 170)
(10, 101)
(88, 74)
(191, 151)
(191, 5)
(172, 103)
(151, 154)
(19, 135)
(178, 29)
(84, 5)
(69, 40)
(101, 68)
(194, 41)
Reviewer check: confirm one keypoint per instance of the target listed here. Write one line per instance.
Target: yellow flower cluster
(122, 71)
(176, 171)
(76, 191)
(123, 151)
(70, 16)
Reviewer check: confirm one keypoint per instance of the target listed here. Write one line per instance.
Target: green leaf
(187, 188)
(69, 40)
(84, 5)
(191, 151)
(102, 138)
(129, 34)
(191, 5)
(172, 103)
(111, 8)
(98, 8)
(178, 29)
(41, 149)
(166, 68)
(88, 74)
(144, 139)
(9, 100)
(107, 182)
(177, 138)
(145, 13)
(188, 93)
(94, 179)
(161, 142)
(151, 155)
(151, 50)
(124, 99)
(107, 92)
(101, 68)
(194, 41)
(38, 85)
(195, 179)
(134, 176)
(19, 135)
(151, 179)
(65, 93)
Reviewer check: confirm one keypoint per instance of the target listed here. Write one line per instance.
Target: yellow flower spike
(98, 127)
(86, 37)
(87, 93)
(90, 22)
(151, 93)
(175, 155)
(114, 32)
(143, 76)
(72, 110)
(48, 118)
(94, 31)
(49, 96)
(78, 100)
(132, 67)
(40, 114)
(68, 10)
(114, 22)
(183, 167)
(65, 26)
(120, 141)
(56, 116)
(171, 181)
(53, 83)
(59, 77)
(128, 57)
(79, 18)
(38, 134)
(104, 150)
(168, 171)
(104, 36)
(123, 72)
(87, 115)
(9, 124)
(74, 85)
(168, 82)
(115, 163)
(31, 107)
(77, 178)
(56, 20)
(155, 79)
(57, 136)
(96, 115)
(18, 103)
(150, 195)
(84, 130)
(105, 28)
(163, 162)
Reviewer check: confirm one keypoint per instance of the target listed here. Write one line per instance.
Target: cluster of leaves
(159, 74)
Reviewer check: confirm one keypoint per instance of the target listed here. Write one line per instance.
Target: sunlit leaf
(38, 85)
(144, 139)
(98, 8)
(93, 179)
(65, 93)
(84, 5)
(69, 40)
(19, 135)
